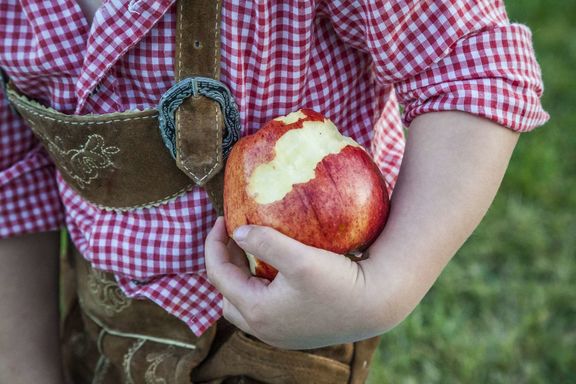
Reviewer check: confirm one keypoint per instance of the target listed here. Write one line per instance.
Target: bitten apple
(300, 176)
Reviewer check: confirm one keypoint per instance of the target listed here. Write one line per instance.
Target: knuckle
(260, 240)
(307, 270)
(256, 316)
(212, 275)
(301, 270)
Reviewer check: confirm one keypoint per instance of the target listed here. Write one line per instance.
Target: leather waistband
(103, 302)
(115, 161)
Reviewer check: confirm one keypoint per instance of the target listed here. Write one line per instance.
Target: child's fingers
(237, 255)
(225, 275)
(288, 256)
(233, 315)
(217, 234)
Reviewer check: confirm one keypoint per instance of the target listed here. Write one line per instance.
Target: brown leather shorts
(108, 339)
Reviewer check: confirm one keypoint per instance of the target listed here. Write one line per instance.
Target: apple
(300, 176)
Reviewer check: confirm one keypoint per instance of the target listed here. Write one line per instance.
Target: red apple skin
(342, 209)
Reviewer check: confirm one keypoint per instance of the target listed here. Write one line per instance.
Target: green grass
(504, 310)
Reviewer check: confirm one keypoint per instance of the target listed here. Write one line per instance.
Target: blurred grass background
(504, 310)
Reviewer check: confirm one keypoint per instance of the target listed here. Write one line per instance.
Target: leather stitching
(184, 163)
(21, 104)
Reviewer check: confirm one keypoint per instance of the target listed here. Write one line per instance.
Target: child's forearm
(29, 345)
(453, 166)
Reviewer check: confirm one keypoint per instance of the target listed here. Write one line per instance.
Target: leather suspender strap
(198, 38)
(199, 120)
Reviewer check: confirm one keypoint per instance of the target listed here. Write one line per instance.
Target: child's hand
(318, 297)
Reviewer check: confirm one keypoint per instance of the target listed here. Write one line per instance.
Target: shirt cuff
(492, 74)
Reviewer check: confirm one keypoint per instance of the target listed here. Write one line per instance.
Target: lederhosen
(120, 161)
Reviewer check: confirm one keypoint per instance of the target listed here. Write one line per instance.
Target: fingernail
(241, 232)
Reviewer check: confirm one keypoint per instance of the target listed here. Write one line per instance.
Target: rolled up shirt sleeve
(457, 56)
(29, 200)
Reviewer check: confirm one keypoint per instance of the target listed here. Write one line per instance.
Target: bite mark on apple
(297, 153)
(291, 118)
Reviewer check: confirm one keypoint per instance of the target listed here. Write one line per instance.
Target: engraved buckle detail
(194, 86)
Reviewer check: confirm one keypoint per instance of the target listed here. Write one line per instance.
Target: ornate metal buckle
(194, 86)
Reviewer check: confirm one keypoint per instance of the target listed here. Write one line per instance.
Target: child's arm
(29, 343)
(29, 203)
(453, 166)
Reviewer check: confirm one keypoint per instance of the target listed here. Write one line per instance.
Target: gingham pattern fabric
(352, 60)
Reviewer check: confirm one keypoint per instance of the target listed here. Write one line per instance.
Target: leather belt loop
(199, 120)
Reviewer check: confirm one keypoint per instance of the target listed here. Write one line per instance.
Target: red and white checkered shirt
(353, 60)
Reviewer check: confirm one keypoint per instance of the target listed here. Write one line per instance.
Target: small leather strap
(199, 121)
(363, 354)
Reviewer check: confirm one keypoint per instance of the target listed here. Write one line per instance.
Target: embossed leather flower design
(85, 163)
